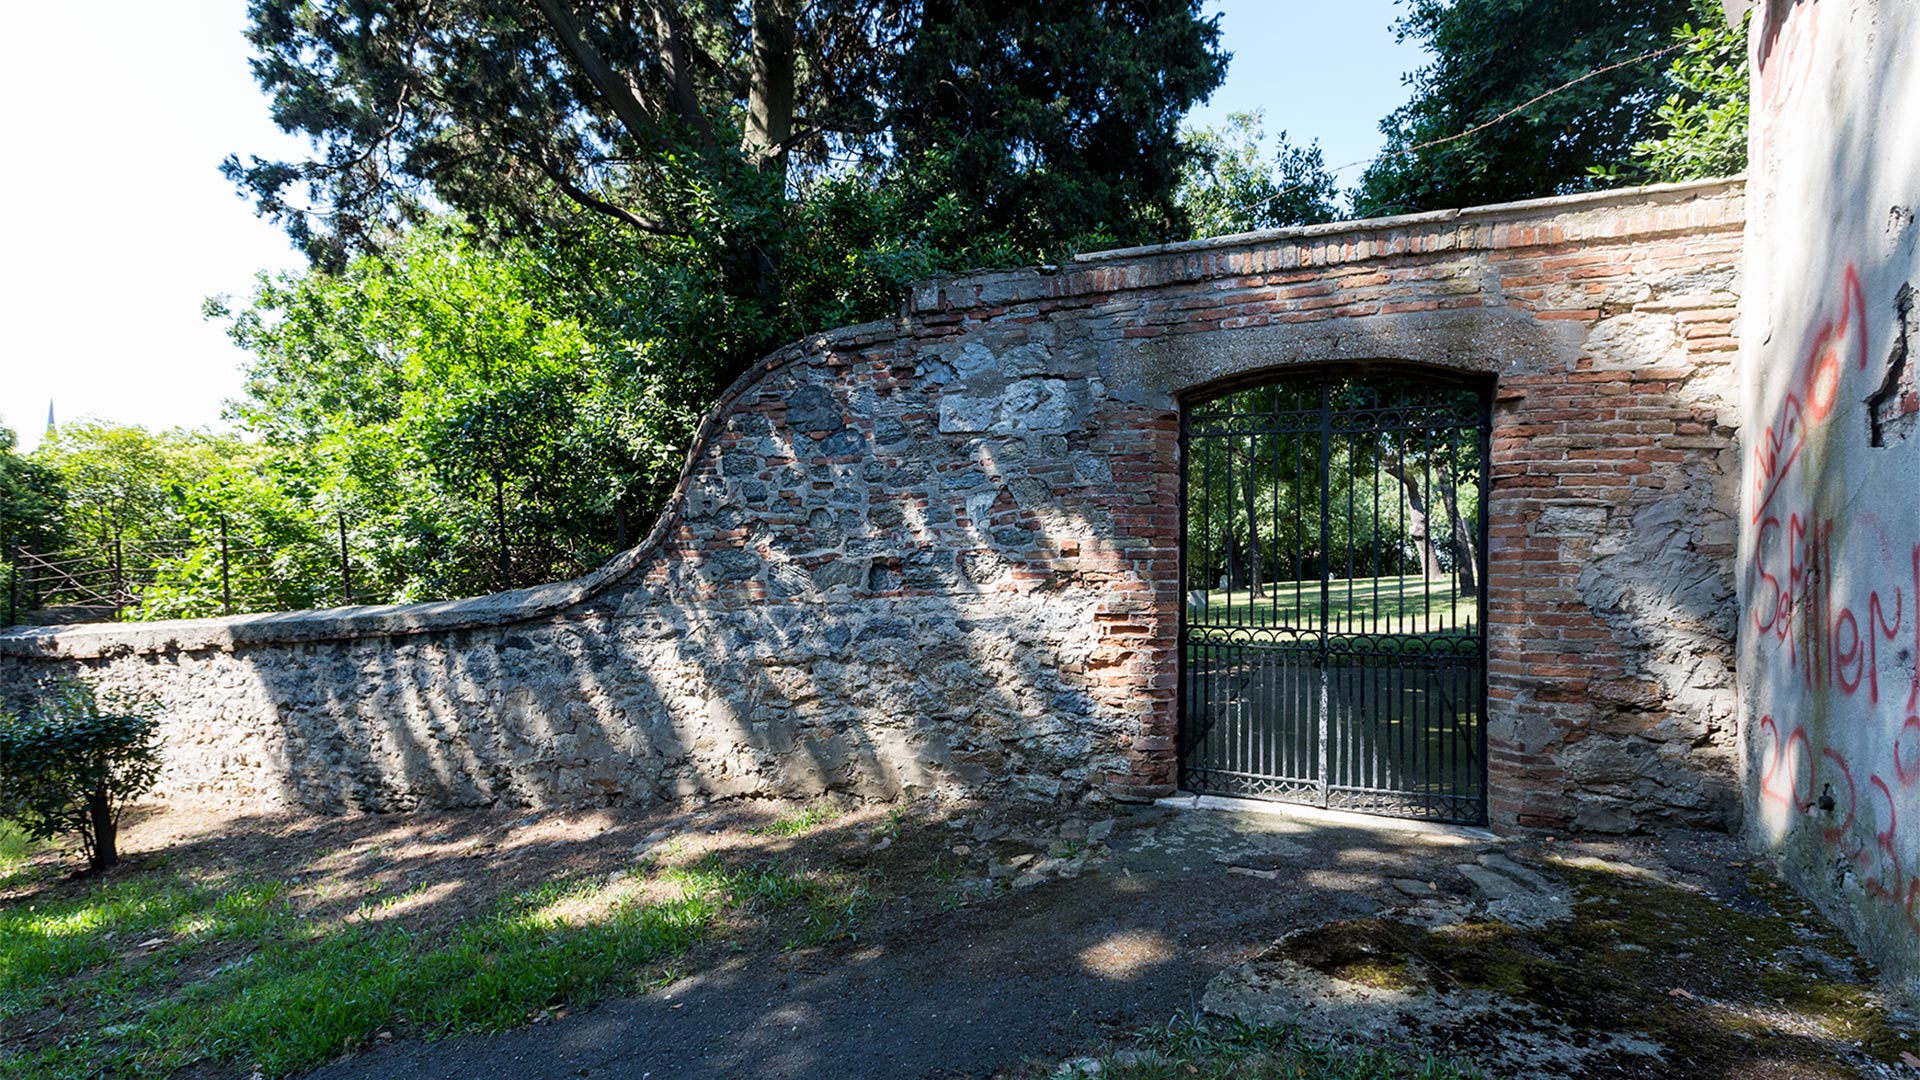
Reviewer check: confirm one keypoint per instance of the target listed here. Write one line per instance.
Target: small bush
(72, 764)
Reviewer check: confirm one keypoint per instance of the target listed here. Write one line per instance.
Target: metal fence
(101, 582)
(210, 572)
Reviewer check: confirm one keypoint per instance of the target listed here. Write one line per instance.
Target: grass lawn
(1397, 692)
(282, 955)
(1409, 605)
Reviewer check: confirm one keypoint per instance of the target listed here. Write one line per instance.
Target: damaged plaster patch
(1894, 407)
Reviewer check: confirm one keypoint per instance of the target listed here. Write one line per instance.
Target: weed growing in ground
(889, 826)
(797, 822)
(16, 850)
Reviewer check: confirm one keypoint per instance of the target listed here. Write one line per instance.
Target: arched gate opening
(1334, 567)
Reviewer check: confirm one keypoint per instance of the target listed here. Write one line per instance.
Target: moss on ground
(1726, 991)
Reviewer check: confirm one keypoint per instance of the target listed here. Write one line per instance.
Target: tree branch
(629, 106)
(592, 202)
(675, 55)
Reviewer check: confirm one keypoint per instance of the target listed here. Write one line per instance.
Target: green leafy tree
(145, 516)
(73, 764)
(1700, 130)
(1230, 184)
(701, 129)
(31, 499)
(1491, 56)
(32, 506)
(119, 479)
(464, 425)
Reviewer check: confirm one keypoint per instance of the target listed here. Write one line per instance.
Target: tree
(1230, 185)
(71, 766)
(452, 411)
(702, 128)
(1491, 56)
(31, 499)
(119, 479)
(1700, 130)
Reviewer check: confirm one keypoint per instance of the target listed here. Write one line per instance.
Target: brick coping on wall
(1477, 228)
(1670, 208)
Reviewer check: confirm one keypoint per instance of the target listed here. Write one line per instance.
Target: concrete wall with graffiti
(1830, 552)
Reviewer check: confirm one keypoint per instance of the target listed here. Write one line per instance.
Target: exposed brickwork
(943, 552)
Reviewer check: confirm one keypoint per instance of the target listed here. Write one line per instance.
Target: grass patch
(797, 822)
(1382, 605)
(17, 849)
(1234, 1050)
(173, 971)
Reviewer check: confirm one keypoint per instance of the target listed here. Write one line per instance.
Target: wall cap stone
(1586, 200)
(1557, 219)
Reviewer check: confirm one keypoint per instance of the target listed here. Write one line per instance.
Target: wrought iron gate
(1334, 567)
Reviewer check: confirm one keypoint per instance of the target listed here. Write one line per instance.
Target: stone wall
(1830, 548)
(940, 553)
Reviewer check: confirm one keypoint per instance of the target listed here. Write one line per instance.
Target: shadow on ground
(966, 941)
(1066, 945)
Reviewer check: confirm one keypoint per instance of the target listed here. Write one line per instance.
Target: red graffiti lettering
(1780, 759)
(1831, 642)
(1877, 628)
(1882, 874)
(1848, 657)
(1816, 387)
(1913, 696)
(1910, 736)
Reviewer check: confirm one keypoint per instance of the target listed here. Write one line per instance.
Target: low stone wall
(941, 553)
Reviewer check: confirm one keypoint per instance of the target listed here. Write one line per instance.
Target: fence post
(346, 568)
(500, 522)
(226, 578)
(119, 574)
(13, 587)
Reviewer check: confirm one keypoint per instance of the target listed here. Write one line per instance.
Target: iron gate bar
(1374, 698)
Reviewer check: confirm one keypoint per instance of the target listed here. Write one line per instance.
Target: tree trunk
(1466, 554)
(500, 523)
(621, 95)
(1253, 528)
(105, 851)
(770, 97)
(676, 58)
(1396, 466)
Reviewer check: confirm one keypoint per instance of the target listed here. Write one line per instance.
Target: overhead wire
(1477, 128)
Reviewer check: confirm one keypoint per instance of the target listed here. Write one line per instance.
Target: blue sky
(119, 223)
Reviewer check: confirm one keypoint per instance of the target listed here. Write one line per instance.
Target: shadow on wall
(863, 592)
(942, 554)
(1831, 548)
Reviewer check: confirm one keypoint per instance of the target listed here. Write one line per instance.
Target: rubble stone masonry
(940, 553)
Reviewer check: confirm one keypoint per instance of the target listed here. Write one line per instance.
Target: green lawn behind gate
(1396, 613)
(1399, 683)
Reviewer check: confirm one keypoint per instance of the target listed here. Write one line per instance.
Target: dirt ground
(997, 943)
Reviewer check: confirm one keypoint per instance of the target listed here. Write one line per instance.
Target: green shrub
(73, 763)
